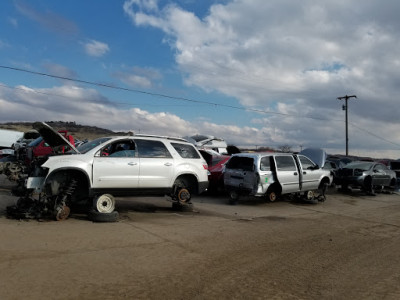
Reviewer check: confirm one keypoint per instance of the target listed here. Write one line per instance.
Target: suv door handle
(168, 164)
(304, 172)
(132, 164)
(295, 173)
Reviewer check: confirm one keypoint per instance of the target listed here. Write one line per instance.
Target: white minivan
(273, 174)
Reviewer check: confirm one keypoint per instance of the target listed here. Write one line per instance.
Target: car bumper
(202, 186)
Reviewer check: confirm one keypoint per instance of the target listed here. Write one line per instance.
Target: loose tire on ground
(96, 216)
(104, 203)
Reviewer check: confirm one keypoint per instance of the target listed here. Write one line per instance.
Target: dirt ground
(344, 248)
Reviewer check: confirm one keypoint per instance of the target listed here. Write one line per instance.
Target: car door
(287, 173)
(310, 174)
(116, 166)
(379, 176)
(156, 164)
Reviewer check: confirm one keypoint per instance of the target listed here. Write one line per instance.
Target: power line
(172, 97)
(162, 95)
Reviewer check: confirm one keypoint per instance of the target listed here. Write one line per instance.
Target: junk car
(106, 167)
(366, 175)
(271, 175)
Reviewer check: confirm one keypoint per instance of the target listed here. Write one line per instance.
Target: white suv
(118, 166)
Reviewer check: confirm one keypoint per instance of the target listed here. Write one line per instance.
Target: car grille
(345, 172)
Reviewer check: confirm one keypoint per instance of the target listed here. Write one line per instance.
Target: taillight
(205, 167)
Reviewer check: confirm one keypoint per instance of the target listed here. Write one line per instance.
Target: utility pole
(345, 108)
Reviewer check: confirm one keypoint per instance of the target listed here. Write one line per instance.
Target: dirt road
(344, 248)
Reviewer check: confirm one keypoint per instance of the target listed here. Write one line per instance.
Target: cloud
(48, 19)
(13, 21)
(96, 48)
(139, 77)
(284, 51)
(59, 70)
(292, 57)
(89, 107)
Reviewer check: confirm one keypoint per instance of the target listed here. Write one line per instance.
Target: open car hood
(52, 137)
(317, 155)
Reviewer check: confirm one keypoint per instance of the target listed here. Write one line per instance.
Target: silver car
(273, 174)
(366, 175)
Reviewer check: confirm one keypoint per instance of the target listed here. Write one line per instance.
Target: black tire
(96, 216)
(369, 188)
(393, 183)
(233, 197)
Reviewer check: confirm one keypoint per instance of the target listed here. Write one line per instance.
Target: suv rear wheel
(182, 191)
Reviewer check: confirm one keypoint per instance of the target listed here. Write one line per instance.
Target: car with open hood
(98, 170)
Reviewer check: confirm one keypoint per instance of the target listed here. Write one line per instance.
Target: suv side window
(265, 163)
(185, 151)
(306, 163)
(285, 163)
(153, 149)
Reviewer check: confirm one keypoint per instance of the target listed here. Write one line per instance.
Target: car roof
(148, 137)
(260, 154)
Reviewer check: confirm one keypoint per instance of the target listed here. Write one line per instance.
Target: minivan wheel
(233, 197)
(272, 196)
(104, 203)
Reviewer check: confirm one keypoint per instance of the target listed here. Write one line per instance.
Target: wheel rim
(310, 195)
(272, 196)
(183, 196)
(105, 203)
(62, 213)
(234, 195)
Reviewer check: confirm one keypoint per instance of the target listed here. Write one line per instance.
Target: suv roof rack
(162, 136)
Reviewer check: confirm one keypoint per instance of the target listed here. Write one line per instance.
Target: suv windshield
(91, 144)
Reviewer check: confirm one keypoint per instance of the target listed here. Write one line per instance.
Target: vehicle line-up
(94, 173)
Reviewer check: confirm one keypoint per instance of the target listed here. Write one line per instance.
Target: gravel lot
(344, 248)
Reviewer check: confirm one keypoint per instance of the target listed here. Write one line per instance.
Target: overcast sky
(253, 72)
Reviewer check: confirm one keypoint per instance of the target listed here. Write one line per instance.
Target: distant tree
(285, 148)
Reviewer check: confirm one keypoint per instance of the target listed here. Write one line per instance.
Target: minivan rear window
(185, 151)
(240, 163)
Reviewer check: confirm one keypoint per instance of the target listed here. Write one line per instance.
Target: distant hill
(78, 131)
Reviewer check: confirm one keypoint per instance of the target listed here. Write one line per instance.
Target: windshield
(86, 147)
(359, 165)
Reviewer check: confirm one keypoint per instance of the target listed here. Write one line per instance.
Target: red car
(216, 164)
(39, 148)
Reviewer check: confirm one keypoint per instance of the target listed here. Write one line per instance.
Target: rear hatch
(240, 174)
